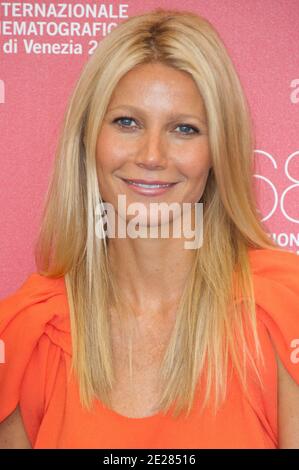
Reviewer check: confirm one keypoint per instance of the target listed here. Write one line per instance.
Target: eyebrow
(171, 115)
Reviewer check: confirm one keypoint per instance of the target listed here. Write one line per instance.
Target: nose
(152, 154)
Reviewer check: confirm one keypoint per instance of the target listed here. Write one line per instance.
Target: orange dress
(35, 329)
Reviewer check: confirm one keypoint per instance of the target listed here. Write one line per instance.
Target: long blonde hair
(211, 322)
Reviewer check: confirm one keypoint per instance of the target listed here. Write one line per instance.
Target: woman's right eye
(123, 118)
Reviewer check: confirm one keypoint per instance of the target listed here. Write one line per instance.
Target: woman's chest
(136, 389)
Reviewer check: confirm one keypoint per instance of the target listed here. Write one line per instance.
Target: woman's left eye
(194, 129)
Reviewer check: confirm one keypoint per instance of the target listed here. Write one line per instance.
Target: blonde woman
(138, 342)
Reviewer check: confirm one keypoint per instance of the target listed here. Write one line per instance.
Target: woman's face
(154, 129)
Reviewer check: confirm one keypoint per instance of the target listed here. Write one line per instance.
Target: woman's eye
(125, 118)
(186, 126)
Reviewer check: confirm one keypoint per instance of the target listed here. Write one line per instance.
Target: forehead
(159, 84)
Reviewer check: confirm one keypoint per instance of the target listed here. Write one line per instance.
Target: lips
(149, 182)
(149, 188)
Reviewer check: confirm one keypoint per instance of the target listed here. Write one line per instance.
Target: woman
(139, 342)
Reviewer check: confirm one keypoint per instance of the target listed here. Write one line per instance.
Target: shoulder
(36, 312)
(275, 264)
(275, 276)
(36, 288)
(35, 335)
(39, 303)
(276, 287)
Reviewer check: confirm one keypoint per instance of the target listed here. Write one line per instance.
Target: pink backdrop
(262, 37)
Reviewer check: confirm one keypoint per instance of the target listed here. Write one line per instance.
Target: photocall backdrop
(43, 48)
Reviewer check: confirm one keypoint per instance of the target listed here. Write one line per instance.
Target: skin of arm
(12, 432)
(288, 409)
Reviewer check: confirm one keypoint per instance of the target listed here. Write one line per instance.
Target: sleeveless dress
(35, 332)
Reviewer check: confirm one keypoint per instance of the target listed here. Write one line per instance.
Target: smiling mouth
(148, 189)
(148, 184)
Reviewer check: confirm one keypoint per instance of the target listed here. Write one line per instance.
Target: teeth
(150, 186)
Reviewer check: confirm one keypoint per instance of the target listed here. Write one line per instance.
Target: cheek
(109, 153)
(195, 163)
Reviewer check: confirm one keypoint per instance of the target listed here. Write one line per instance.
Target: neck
(150, 272)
